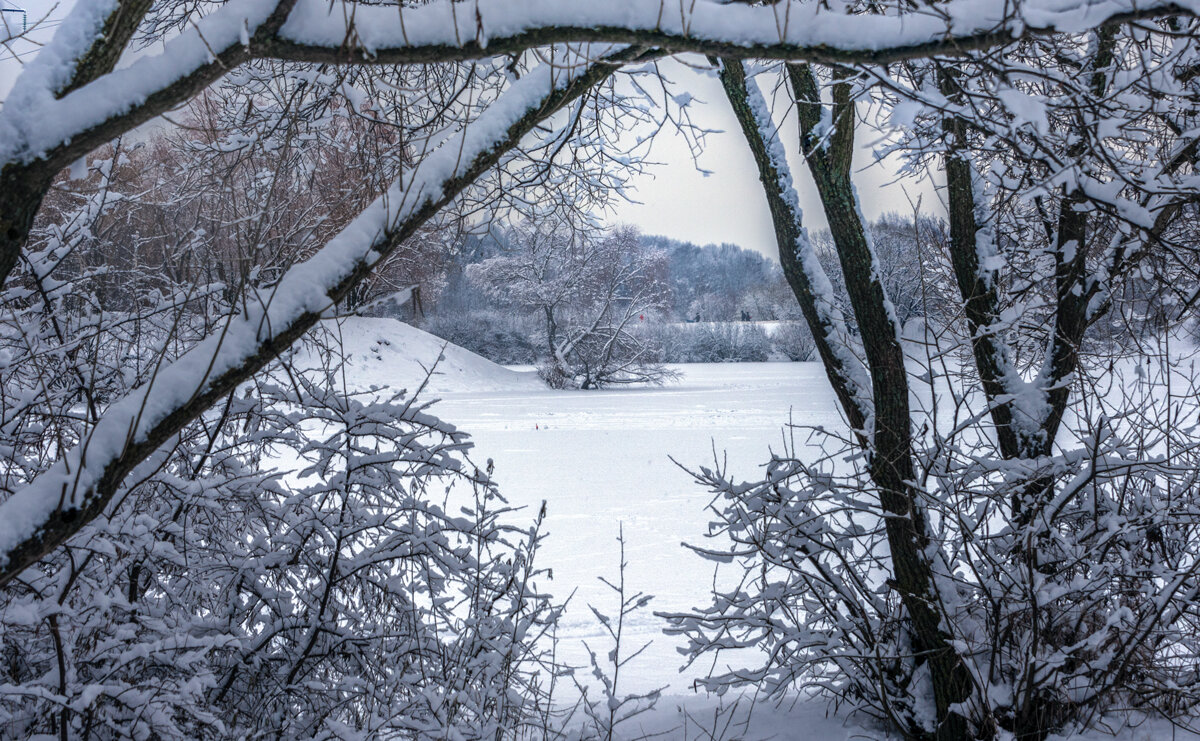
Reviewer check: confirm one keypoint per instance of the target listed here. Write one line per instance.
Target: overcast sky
(678, 200)
(675, 198)
(42, 16)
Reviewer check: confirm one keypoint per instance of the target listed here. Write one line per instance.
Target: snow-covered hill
(388, 352)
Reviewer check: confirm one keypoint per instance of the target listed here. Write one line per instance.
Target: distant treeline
(713, 283)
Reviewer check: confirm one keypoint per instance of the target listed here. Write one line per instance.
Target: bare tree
(978, 520)
(592, 293)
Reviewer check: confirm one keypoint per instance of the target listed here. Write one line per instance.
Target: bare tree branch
(342, 34)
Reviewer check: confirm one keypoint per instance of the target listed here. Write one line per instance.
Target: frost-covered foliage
(794, 341)
(589, 293)
(712, 342)
(1086, 605)
(294, 567)
(1003, 542)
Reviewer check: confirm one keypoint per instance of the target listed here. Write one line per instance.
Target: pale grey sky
(43, 17)
(676, 199)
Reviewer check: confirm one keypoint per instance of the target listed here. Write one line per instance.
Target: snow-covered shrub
(1064, 607)
(794, 341)
(719, 342)
(498, 336)
(304, 562)
(299, 561)
(608, 714)
(670, 341)
(722, 342)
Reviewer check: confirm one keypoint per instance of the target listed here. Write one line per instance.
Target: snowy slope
(388, 352)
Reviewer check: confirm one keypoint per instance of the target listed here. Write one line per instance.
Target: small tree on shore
(590, 291)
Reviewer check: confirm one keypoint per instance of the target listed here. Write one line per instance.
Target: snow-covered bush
(305, 562)
(719, 342)
(728, 342)
(1085, 604)
(612, 710)
(1002, 539)
(670, 341)
(724, 342)
(794, 341)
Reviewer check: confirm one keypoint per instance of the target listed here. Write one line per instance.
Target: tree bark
(789, 236)
(891, 460)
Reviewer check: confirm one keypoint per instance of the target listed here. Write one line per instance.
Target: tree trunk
(889, 438)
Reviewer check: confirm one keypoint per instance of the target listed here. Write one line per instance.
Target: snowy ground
(601, 459)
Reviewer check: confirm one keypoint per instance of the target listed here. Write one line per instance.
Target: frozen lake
(602, 458)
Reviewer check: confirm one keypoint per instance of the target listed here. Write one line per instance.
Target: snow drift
(388, 352)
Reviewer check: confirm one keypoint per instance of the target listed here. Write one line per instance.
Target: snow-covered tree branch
(71, 100)
(1001, 539)
(58, 502)
(1048, 213)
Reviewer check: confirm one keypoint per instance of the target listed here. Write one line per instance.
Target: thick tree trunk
(891, 455)
(22, 189)
(976, 284)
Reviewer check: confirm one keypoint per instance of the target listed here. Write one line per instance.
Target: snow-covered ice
(603, 458)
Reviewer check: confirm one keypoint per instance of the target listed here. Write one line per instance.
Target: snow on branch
(34, 122)
(826, 321)
(821, 32)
